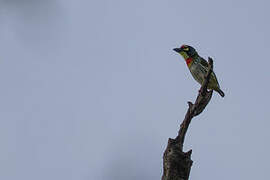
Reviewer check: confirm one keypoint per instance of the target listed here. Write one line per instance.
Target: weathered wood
(176, 163)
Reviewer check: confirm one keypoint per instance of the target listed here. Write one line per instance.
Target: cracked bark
(176, 163)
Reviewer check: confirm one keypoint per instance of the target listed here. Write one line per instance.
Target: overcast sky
(91, 90)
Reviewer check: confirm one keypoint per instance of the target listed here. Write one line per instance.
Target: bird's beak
(177, 50)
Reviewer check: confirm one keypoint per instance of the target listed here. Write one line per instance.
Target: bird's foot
(200, 91)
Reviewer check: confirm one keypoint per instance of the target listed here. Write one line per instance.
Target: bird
(198, 67)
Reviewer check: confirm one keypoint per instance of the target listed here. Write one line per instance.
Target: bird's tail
(220, 92)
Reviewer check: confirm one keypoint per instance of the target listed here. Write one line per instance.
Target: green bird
(198, 67)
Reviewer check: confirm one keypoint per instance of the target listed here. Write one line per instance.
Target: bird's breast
(196, 71)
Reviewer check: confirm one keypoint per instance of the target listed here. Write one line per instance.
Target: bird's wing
(204, 63)
(213, 78)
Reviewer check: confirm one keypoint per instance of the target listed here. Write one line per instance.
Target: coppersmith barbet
(198, 67)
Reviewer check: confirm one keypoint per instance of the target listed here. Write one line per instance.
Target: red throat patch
(189, 60)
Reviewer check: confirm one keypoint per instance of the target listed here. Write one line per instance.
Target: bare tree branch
(176, 163)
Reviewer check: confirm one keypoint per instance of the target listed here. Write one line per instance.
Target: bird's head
(186, 51)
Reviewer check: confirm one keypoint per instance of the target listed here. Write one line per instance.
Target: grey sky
(91, 90)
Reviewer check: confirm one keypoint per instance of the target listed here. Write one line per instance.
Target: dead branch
(176, 163)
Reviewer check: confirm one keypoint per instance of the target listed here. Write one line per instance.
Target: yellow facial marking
(184, 54)
(186, 49)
